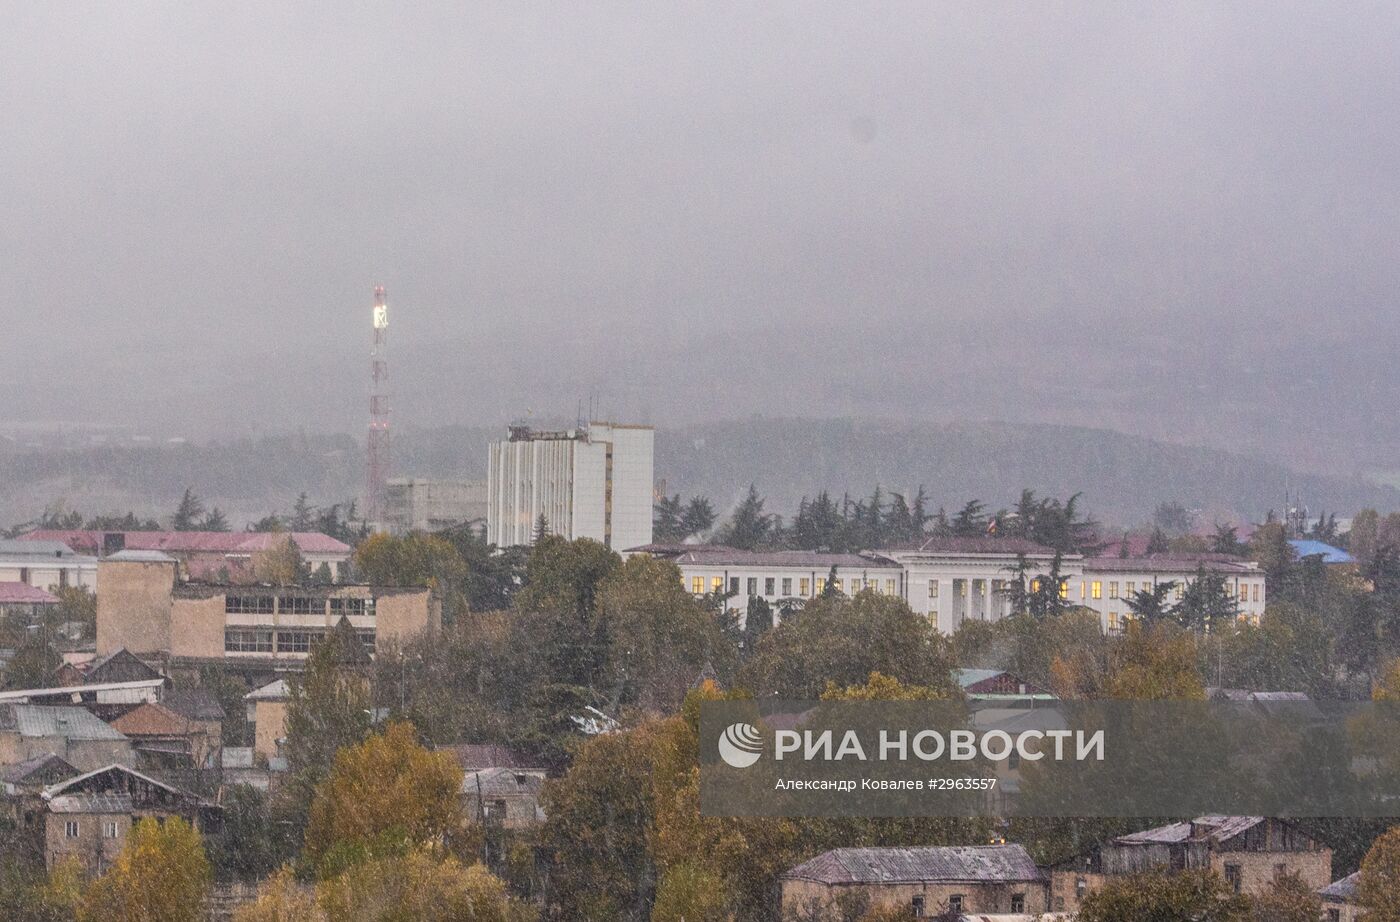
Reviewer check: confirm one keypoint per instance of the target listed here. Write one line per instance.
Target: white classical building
(591, 482)
(953, 580)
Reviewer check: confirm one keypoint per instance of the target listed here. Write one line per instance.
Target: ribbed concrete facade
(594, 482)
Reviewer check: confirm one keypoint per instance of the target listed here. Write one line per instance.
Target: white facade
(414, 504)
(593, 482)
(47, 565)
(953, 580)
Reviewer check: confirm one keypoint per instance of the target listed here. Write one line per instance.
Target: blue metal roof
(1329, 554)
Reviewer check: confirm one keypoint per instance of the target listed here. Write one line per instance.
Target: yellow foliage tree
(1156, 663)
(280, 564)
(1380, 879)
(388, 791)
(880, 687)
(417, 888)
(162, 875)
(282, 899)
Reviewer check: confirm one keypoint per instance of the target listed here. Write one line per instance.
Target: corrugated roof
(1329, 554)
(987, 544)
(1342, 891)
(953, 863)
(91, 803)
(25, 594)
(500, 782)
(474, 756)
(1184, 564)
(1211, 826)
(152, 720)
(272, 691)
(194, 703)
(30, 547)
(185, 542)
(13, 774)
(35, 720)
(806, 560)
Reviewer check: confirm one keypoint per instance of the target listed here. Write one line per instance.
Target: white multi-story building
(953, 580)
(591, 482)
(415, 504)
(46, 565)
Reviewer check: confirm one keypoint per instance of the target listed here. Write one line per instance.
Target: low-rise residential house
(1249, 852)
(111, 698)
(88, 818)
(72, 733)
(24, 782)
(475, 757)
(166, 740)
(121, 665)
(1339, 900)
(995, 686)
(502, 797)
(267, 712)
(45, 564)
(23, 605)
(923, 880)
(212, 555)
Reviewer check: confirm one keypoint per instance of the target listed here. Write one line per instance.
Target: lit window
(889, 587)
(697, 585)
(1064, 588)
(1082, 593)
(821, 585)
(1113, 621)
(933, 589)
(802, 587)
(716, 583)
(1096, 590)
(837, 585)
(1180, 592)
(1113, 590)
(1132, 588)
(1035, 585)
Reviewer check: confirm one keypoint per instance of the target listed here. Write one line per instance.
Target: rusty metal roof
(715, 556)
(25, 594)
(951, 863)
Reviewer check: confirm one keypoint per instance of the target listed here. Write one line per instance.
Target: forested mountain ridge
(1122, 477)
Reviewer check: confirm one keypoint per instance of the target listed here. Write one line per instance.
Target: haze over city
(1156, 220)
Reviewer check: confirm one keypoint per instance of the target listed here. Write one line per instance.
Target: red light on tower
(377, 445)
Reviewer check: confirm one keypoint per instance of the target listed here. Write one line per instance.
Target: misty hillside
(1123, 477)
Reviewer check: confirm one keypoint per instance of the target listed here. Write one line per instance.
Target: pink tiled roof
(220, 542)
(24, 594)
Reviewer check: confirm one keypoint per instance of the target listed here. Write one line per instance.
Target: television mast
(377, 445)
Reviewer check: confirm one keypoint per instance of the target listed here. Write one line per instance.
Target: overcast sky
(692, 210)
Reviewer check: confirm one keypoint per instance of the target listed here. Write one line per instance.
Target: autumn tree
(385, 792)
(414, 559)
(418, 887)
(1380, 879)
(844, 640)
(280, 563)
(328, 710)
(161, 875)
(1199, 896)
(1151, 664)
(1288, 898)
(281, 898)
(656, 634)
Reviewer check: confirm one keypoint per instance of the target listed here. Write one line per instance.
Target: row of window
(295, 605)
(771, 585)
(251, 640)
(919, 905)
(72, 829)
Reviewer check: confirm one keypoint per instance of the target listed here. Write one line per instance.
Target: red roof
(24, 594)
(176, 542)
